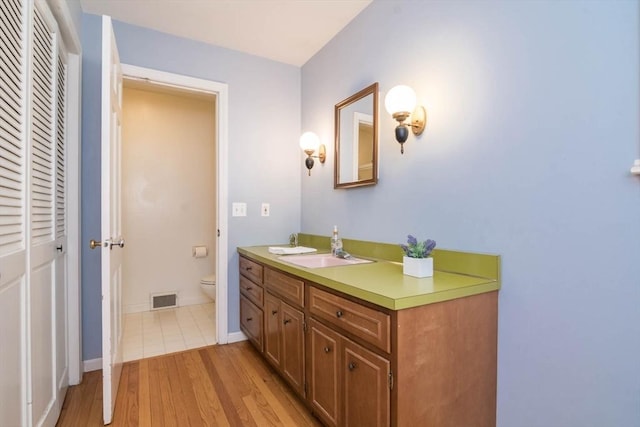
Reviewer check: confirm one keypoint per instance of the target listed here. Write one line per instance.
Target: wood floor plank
(157, 413)
(226, 385)
(77, 403)
(96, 418)
(121, 397)
(268, 401)
(166, 394)
(184, 397)
(144, 394)
(208, 402)
(292, 403)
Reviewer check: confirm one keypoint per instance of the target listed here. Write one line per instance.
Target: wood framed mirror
(356, 139)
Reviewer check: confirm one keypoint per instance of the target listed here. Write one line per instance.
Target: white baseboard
(195, 300)
(136, 308)
(92, 364)
(236, 337)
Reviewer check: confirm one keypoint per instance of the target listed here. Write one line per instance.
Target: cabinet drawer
(251, 269)
(251, 321)
(287, 287)
(366, 323)
(252, 291)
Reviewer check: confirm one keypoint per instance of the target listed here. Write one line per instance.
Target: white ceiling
(289, 31)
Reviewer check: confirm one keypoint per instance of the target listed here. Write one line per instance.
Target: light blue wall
(75, 11)
(264, 158)
(533, 125)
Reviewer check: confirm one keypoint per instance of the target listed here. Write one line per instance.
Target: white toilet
(208, 286)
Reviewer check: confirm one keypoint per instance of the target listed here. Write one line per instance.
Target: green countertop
(383, 283)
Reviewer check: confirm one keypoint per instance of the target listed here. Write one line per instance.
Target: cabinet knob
(274, 312)
(352, 366)
(249, 319)
(287, 321)
(339, 313)
(327, 349)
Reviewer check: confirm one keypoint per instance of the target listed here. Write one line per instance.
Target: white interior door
(13, 208)
(111, 224)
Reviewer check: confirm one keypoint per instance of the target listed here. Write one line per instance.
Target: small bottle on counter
(336, 242)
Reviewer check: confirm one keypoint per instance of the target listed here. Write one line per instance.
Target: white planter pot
(417, 267)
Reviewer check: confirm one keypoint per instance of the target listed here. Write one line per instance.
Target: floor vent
(159, 301)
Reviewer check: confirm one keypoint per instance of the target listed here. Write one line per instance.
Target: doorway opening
(174, 204)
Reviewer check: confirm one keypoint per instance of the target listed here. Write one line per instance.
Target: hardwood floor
(227, 385)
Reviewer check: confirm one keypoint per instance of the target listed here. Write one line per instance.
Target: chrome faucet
(293, 239)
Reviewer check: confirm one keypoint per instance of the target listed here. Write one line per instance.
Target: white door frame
(221, 91)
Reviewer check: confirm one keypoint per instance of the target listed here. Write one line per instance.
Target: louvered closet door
(13, 334)
(61, 339)
(42, 283)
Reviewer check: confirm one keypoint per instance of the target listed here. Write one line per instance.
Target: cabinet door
(366, 387)
(251, 321)
(293, 346)
(273, 321)
(325, 393)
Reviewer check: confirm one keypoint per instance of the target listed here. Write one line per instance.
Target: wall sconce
(310, 143)
(400, 102)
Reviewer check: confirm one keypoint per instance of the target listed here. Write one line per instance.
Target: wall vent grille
(159, 301)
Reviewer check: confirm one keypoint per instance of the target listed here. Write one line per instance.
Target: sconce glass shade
(400, 99)
(309, 141)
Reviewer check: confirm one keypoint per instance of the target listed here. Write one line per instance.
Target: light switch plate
(238, 209)
(264, 211)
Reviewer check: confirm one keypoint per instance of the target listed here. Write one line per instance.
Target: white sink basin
(321, 260)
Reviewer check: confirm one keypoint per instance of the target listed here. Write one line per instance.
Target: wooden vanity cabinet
(324, 374)
(348, 384)
(284, 326)
(251, 321)
(284, 340)
(251, 301)
(366, 382)
(357, 364)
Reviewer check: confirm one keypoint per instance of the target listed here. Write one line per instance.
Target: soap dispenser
(336, 242)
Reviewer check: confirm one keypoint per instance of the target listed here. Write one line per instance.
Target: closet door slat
(42, 131)
(61, 167)
(12, 124)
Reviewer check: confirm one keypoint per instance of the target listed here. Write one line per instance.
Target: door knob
(59, 248)
(95, 244)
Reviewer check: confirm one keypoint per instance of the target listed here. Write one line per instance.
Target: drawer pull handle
(287, 321)
(248, 288)
(352, 366)
(327, 349)
(249, 319)
(248, 268)
(339, 314)
(274, 312)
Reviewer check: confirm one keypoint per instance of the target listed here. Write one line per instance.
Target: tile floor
(153, 333)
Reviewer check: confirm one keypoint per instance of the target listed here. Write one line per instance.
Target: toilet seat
(208, 280)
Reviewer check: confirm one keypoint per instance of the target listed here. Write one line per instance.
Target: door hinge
(218, 232)
(391, 380)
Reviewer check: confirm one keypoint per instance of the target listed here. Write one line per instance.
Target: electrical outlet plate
(264, 211)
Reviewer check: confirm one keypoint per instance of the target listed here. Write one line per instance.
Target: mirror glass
(356, 132)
